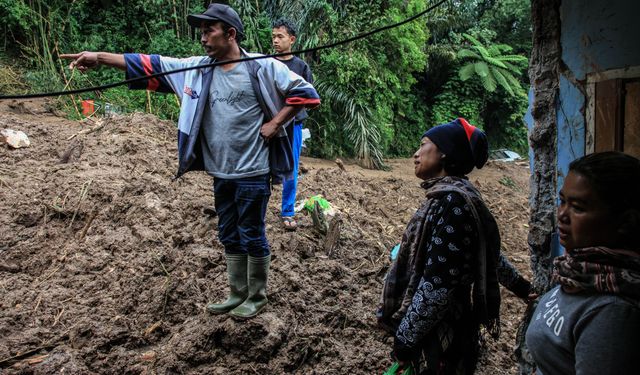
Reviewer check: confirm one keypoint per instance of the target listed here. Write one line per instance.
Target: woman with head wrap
(590, 322)
(443, 285)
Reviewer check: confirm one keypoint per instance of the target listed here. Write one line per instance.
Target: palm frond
(492, 67)
(503, 48)
(513, 81)
(473, 40)
(493, 50)
(514, 58)
(481, 68)
(465, 53)
(510, 67)
(495, 62)
(482, 51)
(489, 82)
(360, 129)
(467, 71)
(502, 81)
(248, 12)
(365, 137)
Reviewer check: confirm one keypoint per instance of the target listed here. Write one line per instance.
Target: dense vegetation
(467, 58)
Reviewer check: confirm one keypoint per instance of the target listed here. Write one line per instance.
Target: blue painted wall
(600, 35)
(596, 36)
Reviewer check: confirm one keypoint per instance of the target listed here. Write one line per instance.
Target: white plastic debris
(14, 138)
(306, 134)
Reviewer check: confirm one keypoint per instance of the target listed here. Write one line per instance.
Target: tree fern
(467, 71)
(502, 81)
(482, 69)
(464, 53)
(491, 66)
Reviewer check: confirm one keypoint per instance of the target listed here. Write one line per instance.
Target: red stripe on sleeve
(309, 103)
(153, 83)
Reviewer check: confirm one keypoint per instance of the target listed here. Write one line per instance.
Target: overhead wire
(213, 64)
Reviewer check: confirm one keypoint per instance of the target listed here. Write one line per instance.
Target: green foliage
(42, 30)
(376, 75)
(510, 20)
(17, 17)
(503, 121)
(453, 60)
(458, 100)
(492, 66)
(508, 182)
(257, 25)
(379, 94)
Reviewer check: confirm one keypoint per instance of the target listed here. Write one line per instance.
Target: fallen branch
(83, 194)
(333, 236)
(37, 359)
(100, 124)
(49, 345)
(167, 281)
(152, 328)
(88, 224)
(58, 210)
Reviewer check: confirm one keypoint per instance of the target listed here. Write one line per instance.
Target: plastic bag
(320, 210)
(324, 204)
(394, 252)
(393, 370)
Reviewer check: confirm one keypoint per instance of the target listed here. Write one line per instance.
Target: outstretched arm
(511, 279)
(85, 60)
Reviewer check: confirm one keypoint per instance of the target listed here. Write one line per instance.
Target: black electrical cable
(144, 78)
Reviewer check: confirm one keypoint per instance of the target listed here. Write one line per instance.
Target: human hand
(402, 365)
(83, 61)
(269, 130)
(530, 298)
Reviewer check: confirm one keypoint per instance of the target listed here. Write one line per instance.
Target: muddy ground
(106, 264)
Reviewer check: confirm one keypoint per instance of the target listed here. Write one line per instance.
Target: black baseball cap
(218, 12)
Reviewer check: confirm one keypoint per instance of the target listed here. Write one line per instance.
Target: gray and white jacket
(274, 84)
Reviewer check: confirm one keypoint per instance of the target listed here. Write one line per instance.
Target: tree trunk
(545, 82)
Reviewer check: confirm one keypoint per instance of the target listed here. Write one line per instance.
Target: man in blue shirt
(283, 36)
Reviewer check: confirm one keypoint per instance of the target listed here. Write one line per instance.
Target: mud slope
(106, 264)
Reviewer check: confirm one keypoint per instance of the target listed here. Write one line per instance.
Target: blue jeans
(289, 187)
(242, 205)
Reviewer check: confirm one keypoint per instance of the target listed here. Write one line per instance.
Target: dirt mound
(106, 264)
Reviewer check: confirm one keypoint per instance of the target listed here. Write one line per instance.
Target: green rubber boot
(238, 290)
(257, 299)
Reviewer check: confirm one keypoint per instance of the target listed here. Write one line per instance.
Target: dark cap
(464, 145)
(217, 12)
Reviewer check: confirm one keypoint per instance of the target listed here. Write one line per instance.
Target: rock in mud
(14, 138)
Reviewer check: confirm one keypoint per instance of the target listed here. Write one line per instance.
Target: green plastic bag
(323, 203)
(393, 370)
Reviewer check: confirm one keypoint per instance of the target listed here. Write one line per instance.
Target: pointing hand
(83, 60)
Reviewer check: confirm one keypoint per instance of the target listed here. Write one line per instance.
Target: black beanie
(464, 145)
